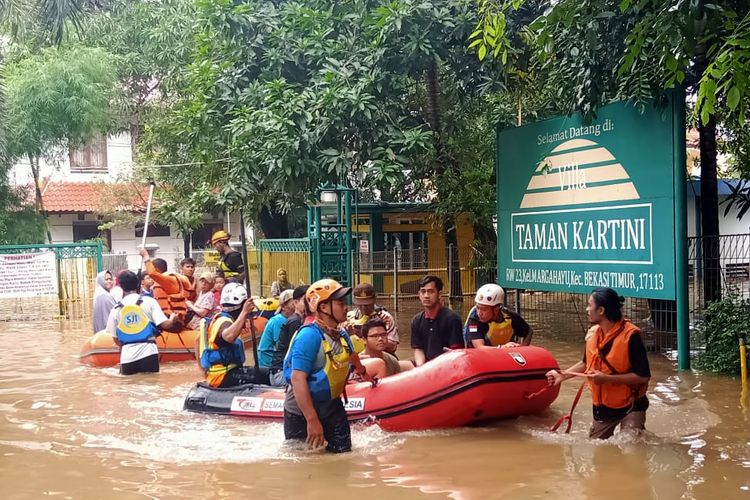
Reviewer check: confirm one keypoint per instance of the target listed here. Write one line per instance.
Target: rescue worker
(134, 323)
(221, 352)
(168, 289)
(491, 324)
(616, 365)
(230, 260)
(363, 297)
(316, 368)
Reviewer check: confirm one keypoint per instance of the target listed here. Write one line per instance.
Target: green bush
(725, 321)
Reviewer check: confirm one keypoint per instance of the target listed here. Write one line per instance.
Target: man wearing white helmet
(491, 324)
(221, 352)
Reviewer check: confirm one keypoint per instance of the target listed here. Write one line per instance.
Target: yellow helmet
(220, 235)
(324, 290)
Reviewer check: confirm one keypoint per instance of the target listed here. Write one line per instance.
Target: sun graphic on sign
(578, 172)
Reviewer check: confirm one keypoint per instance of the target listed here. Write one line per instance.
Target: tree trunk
(273, 224)
(709, 212)
(34, 162)
(443, 166)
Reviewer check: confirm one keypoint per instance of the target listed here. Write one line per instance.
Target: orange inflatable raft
(101, 350)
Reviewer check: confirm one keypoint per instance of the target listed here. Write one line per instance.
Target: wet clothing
(131, 353)
(104, 302)
(510, 328)
(149, 364)
(620, 351)
(231, 266)
(433, 334)
(335, 424)
(268, 340)
(635, 421)
(242, 375)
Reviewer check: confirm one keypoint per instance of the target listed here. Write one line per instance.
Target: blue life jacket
(133, 325)
(211, 356)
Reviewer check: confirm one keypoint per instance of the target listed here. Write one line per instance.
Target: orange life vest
(616, 361)
(188, 287)
(175, 302)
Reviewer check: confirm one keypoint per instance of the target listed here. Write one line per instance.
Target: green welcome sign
(582, 205)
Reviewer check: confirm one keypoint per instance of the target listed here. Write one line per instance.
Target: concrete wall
(57, 167)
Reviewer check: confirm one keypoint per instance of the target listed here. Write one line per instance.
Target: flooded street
(71, 431)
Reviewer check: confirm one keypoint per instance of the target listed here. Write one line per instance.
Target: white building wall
(57, 165)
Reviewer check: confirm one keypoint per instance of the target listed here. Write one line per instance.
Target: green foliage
(150, 44)
(725, 322)
(283, 97)
(57, 98)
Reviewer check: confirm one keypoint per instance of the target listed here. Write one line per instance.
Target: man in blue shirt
(273, 329)
(317, 367)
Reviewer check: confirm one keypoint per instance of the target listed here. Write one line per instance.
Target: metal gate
(76, 266)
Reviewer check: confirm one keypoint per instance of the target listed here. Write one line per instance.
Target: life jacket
(133, 325)
(499, 333)
(326, 383)
(188, 287)
(224, 268)
(175, 302)
(215, 360)
(609, 354)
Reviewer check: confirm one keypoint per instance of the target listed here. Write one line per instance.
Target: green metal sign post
(601, 204)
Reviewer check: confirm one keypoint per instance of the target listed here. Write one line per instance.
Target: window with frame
(153, 230)
(91, 157)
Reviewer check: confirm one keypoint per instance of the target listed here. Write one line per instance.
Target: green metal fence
(76, 266)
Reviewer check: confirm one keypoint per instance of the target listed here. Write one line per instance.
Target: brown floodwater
(72, 431)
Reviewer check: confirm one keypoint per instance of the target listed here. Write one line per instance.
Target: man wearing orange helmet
(316, 368)
(230, 260)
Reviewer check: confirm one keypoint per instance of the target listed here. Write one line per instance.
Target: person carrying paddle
(316, 368)
(221, 352)
(616, 366)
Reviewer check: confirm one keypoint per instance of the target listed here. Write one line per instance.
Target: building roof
(90, 197)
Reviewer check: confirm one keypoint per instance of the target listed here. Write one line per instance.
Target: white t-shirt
(140, 350)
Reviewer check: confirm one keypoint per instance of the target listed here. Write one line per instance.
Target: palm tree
(54, 16)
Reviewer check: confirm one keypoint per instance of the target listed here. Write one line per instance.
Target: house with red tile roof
(83, 188)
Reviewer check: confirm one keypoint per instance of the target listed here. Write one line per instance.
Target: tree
(151, 43)
(596, 51)
(56, 99)
(52, 16)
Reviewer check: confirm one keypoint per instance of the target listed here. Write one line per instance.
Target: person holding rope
(134, 323)
(616, 367)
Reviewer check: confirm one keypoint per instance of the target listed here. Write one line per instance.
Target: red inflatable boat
(457, 388)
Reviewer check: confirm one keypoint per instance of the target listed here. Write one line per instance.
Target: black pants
(245, 375)
(335, 427)
(149, 364)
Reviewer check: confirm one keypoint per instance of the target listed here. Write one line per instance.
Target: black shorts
(245, 375)
(335, 427)
(149, 364)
